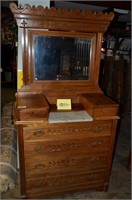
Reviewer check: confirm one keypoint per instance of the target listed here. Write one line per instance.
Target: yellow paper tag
(63, 104)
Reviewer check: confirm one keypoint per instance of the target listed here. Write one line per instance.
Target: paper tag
(63, 104)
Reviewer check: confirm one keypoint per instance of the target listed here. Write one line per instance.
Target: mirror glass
(61, 58)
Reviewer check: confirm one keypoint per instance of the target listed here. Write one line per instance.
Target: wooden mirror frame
(31, 63)
(60, 20)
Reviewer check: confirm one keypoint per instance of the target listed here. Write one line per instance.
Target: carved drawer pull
(97, 143)
(97, 129)
(39, 166)
(39, 133)
(94, 159)
(92, 176)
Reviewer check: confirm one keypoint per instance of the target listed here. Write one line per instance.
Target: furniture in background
(116, 81)
(61, 59)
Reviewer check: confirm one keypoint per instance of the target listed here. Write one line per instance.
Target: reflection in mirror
(61, 58)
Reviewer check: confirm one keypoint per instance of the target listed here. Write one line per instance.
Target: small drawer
(33, 114)
(107, 111)
(95, 128)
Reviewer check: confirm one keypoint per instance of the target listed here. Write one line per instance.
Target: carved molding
(69, 162)
(66, 131)
(40, 133)
(67, 146)
(26, 23)
(60, 19)
(63, 13)
(60, 131)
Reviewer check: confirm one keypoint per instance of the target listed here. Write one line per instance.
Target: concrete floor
(120, 180)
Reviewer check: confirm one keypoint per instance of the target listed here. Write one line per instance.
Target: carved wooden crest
(61, 19)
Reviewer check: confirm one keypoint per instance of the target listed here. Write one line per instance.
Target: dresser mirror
(56, 49)
(61, 55)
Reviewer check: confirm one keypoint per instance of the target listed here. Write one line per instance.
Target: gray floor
(120, 180)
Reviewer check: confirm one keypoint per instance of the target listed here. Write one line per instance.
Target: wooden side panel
(22, 161)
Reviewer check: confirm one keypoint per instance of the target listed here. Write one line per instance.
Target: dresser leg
(23, 196)
(106, 186)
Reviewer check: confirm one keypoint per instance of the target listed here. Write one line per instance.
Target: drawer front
(105, 111)
(64, 181)
(33, 114)
(44, 164)
(57, 147)
(96, 128)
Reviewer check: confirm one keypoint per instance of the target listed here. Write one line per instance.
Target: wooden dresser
(63, 156)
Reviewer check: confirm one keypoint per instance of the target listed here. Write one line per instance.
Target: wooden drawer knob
(94, 159)
(39, 133)
(97, 129)
(93, 176)
(96, 143)
(39, 166)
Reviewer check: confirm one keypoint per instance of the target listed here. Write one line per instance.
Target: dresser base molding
(68, 191)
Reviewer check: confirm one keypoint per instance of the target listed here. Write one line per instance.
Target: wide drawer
(68, 162)
(64, 182)
(68, 130)
(57, 147)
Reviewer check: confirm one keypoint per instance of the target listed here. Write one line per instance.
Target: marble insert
(72, 116)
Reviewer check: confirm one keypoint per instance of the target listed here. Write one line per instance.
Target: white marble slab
(72, 116)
